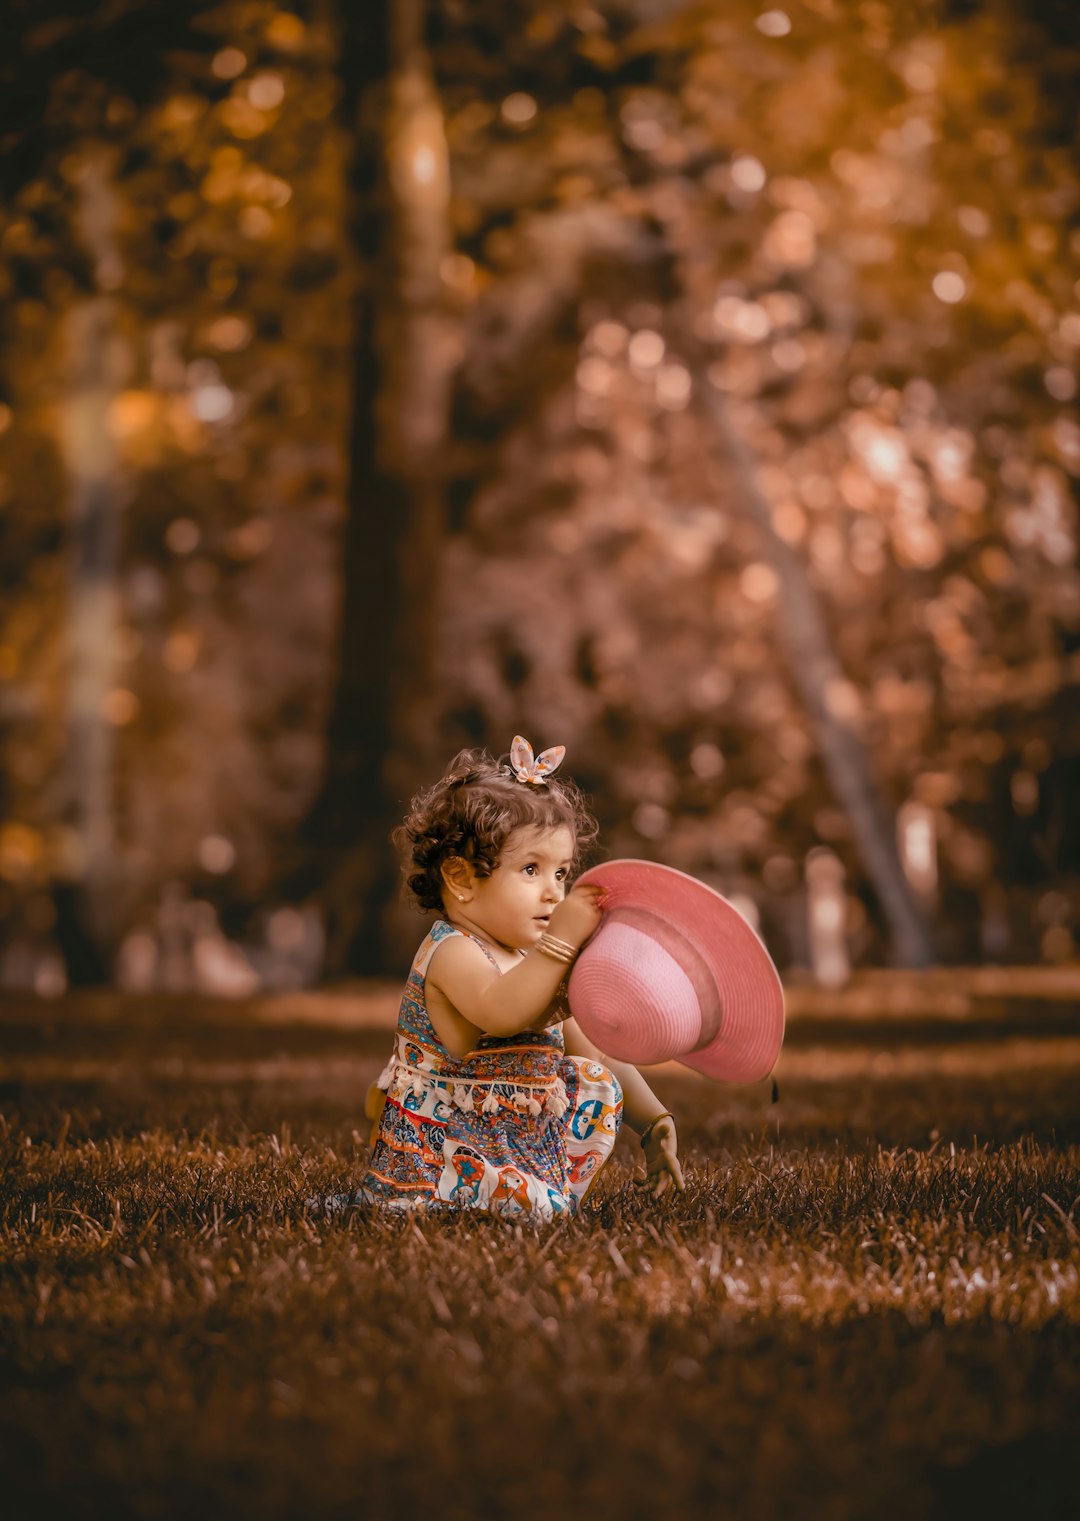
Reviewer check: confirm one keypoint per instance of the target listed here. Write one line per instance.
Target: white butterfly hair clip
(537, 771)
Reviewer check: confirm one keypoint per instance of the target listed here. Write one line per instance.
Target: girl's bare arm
(484, 1000)
(505, 1003)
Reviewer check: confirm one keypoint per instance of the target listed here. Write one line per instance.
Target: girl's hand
(575, 918)
(662, 1165)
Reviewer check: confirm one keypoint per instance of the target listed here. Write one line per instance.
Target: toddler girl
(493, 1097)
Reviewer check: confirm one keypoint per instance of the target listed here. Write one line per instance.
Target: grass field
(866, 1304)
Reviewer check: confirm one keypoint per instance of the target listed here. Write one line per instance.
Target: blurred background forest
(693, 385)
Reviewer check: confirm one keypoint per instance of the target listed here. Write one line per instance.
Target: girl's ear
(457, 876)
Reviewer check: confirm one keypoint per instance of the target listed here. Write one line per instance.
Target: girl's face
(512, 906)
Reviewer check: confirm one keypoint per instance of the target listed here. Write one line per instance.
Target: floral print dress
(517, 1127)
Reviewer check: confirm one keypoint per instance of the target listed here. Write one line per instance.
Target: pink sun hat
(675, 973)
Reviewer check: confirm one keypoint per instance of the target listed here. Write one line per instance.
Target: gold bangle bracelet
(560, 945)
(647, 1132)
(555, 955)
(556, 950)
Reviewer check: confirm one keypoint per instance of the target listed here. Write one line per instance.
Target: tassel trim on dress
(399, 1079)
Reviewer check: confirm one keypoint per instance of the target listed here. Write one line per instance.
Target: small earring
(461, 897)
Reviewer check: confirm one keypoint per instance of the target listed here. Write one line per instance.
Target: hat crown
(635, 996)
(694, 982)
(681, 953)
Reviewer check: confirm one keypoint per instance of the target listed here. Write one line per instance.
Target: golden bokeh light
(230, 63)
(120, 707)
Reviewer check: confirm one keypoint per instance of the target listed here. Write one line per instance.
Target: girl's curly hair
(471, 812)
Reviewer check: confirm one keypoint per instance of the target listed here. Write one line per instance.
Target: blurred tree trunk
(823, 687)
(97, 365)
(406, 347)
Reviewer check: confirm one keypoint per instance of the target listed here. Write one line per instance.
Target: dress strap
(438, 932)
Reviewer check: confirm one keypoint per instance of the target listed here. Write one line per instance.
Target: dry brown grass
(841, 1318)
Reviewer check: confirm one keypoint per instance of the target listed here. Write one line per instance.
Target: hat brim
(751, 1031)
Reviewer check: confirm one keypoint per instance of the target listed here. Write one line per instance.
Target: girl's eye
(530, 868)
(562, 874)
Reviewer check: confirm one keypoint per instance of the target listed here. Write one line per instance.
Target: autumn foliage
(723, 361)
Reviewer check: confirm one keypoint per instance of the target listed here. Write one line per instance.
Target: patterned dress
(517, 1127)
